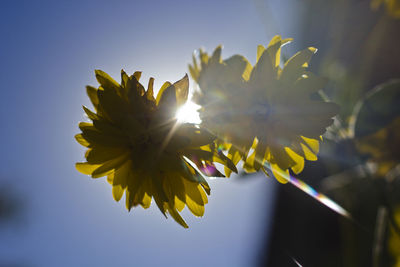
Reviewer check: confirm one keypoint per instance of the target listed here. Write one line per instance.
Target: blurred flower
(134, 139)
(394, 239)
(376, 126)
(273, 110)
(392, 6)
(382, 147)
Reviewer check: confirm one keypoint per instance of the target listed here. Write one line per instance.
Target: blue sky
(48, 53)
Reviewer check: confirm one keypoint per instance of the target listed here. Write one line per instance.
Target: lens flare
(318, 196)
(313, 193)
(297, 263)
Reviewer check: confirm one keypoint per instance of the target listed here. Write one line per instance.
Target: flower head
(134, 139)
(382, 147)
(375, 127)
(392, 7)
(273, 110)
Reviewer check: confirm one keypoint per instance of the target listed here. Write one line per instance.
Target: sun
(188, 113)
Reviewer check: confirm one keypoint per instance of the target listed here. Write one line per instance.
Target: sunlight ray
(188, 113)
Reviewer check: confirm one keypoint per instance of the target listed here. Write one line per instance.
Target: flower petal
(299, 166)
(86, 168)
(280, 174)
(109, 166)
(106, 81)
(81, 140)
(117, 192)
(294, 67)
(92, 94)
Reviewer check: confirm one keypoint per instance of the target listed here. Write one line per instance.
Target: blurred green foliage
(358, 165)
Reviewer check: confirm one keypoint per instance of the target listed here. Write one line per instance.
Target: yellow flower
(375, 127)
(392, 7)
(382, 146)
(134, 139)
(271, 109)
